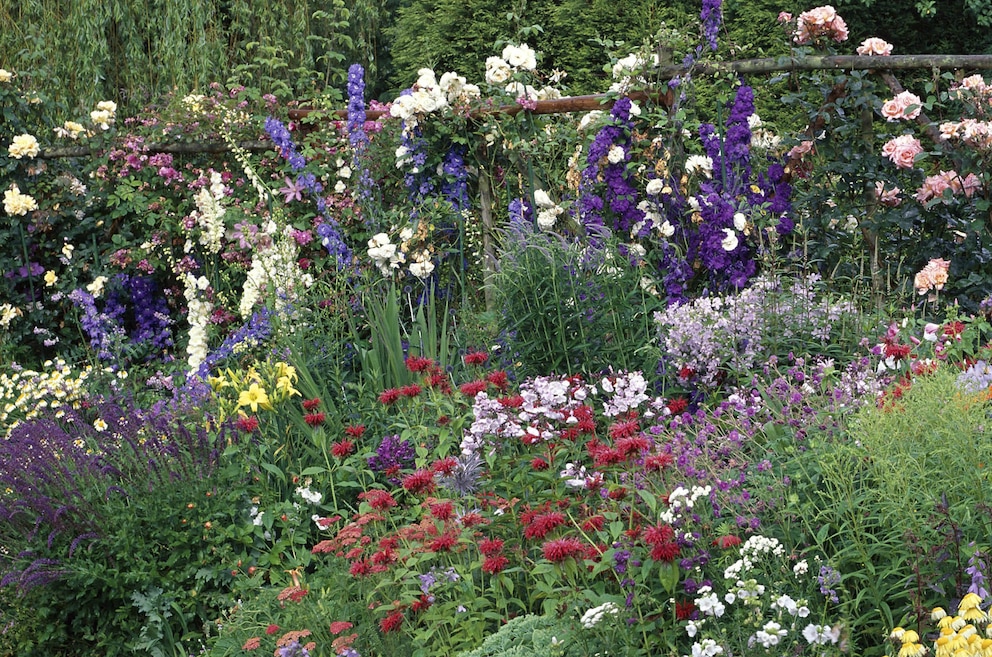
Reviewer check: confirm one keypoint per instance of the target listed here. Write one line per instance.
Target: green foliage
(525, 636)
(565, 308)
(134, 52)
(895, 502)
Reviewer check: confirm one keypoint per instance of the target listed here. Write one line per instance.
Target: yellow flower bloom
(217, 382)
(285, 370)
(99, 424)
(912, 650)
(937, 613)
(254, 397)
(910, 636)
(969, 601)
(50, 278)
(285, 386)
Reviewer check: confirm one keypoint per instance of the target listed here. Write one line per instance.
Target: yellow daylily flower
(217, 382)
(255, 396)
(285, 386)
(285, 370)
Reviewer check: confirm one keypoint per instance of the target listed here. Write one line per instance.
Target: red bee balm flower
(418, 363)
(560, 549)
(247, 423)
(310, 405)
(378, 499)
(472, 388)
(495, 564)
(354, 430)
(539, 464)
(421, 481)
(476, 358)
(490, 546)
(314, 419)
(391, 622)
(389, 396)
(342, 449)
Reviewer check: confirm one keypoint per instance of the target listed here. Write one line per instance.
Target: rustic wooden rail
(601, 101)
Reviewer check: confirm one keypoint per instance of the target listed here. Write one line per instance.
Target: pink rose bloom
(888, 197)
(932, 187)
(933, 276)
(801, 149)
(971, 184)
(875, 46)
(784, 17)
(896, 109)
(903, 151)
(820, 22)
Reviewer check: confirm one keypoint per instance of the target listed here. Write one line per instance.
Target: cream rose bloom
(17, 204)
(24, 146)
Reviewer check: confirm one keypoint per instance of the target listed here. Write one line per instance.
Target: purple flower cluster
(280, 136)
(711, 17)
(254, 332)
(106, 335)
(828, 579)
(357, 136)
(977, 565)
(392, 453)
(619, 198)
(331, 239)
(455, 184)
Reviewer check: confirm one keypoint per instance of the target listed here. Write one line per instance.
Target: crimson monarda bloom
(541, 524)
(727, 542)
(476, 358)
(418, 364)
(490, 546)
(442, 510)
(443, 543)
(314, 419)
(472, 388)
(389, 396)
(247, 423)
(378, 499)
(495, 564)
(354, 430)
(560, 549)
(310, 405)
(342, 448)
(539, 464)
(391, 622)
(411, 390)
(421, 481)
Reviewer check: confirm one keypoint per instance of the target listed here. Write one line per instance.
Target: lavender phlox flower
(977, 378)
(624, 392)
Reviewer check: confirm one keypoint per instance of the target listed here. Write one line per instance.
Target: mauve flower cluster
(713, 336)
(391, 456)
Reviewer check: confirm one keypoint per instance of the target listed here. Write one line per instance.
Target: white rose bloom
(729, 242)
(654, 186)
(699, 164)
(589, 119)
(740, 221)
(616, 154)
(426, 79)
(497, 70)
(542, 199)
(666, 229)
(520, 57)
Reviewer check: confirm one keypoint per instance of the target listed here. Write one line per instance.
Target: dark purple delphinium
(330, 238)
(152, 324)
(711, 17)
(392, 455)
(619, 196)
(455, 185)
(417, 181)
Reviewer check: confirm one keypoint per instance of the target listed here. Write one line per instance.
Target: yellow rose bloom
(24, 145)
(50, 278)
